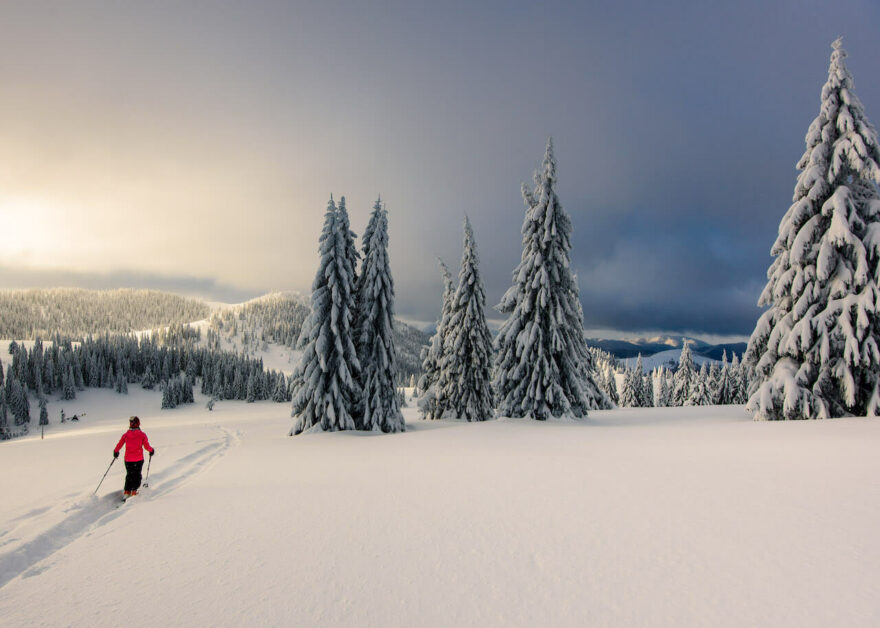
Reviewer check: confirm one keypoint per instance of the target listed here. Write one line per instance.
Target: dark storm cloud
(676, 151)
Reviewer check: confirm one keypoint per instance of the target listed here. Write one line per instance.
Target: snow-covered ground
(635, 517)
(275, 357)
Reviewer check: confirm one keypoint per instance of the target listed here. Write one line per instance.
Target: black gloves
(115, 454)
(152, 452)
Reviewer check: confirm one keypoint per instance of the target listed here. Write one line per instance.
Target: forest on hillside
(75, 312)
(277, 318)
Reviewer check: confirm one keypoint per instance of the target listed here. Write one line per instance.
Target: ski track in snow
(86, 515)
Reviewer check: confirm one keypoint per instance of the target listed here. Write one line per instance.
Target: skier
(135, 442)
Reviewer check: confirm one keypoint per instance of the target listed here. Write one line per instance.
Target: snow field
(656, 516)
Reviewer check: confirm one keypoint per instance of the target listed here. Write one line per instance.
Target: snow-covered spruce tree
(629, 397)
(724, 393)
(644, 393)
(279, 395)
(352, 256)
(15, 393)
(599, 377)
(662, 389)
(348, 236)
(714, 383)
(5, 432)
(611, 383)
(168, 399)
(69, 388)
(543, 364)
(326, 389)
(44, 412)
(814, 352)
(701, 391)
(251, 395)
(465, 383)
(683, 379)
(379, 407)
(740, 379)
(432, 355)
(648, 390)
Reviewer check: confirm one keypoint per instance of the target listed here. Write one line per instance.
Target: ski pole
(104, 476)
(149, 462)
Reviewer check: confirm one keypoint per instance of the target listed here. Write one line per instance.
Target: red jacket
(135, 442)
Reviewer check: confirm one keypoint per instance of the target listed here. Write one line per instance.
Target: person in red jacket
(135, 442)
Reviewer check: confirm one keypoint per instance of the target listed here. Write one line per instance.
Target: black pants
(133, 475)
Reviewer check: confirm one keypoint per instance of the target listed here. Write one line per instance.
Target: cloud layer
(197, 145)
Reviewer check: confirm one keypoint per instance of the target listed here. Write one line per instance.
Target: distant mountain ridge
(649, 346)
(26, 314)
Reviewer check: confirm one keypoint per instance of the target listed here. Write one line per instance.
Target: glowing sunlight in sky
(33, 231)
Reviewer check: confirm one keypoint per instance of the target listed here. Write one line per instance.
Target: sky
(193, 146)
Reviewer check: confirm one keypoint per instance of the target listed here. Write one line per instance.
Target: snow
(645, 516)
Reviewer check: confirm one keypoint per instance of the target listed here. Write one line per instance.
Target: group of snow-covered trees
(346, 377)
(542, 365)
(75, 312)
(814, 352)
(273, 318)
(456, 376)
(711, 384)
(539, 367)
(64, 366)
(277, 318)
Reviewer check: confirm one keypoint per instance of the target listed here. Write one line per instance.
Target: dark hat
(134, 422)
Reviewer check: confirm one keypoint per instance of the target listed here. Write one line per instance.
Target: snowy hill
(268, 327)
(660, 517)
(669, 359)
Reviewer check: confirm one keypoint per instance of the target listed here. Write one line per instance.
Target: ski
(124, 499)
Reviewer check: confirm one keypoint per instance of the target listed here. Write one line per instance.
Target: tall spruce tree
(69, 386)
(740, 379)
(5, 432)
(648, 390)
(44, 412)
(629, 397)
(379, 407)
(725, 393)
(611, 382)
(701, 391)
(280, 393)
(465, 383)
(326, 387)
(432, 355)
(684, 377)
(643, 394)
(662, 389)
(814, 352)
(348, 237)
(544, 366)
